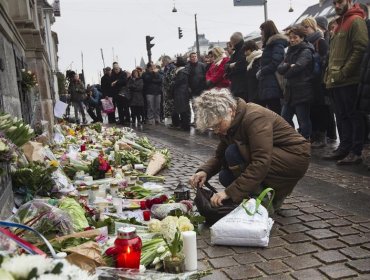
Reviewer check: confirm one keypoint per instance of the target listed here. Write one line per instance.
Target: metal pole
(196, 34)
(102, 56)
(265, 8)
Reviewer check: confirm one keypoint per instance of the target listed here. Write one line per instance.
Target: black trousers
(95, 113)
(137, 113)
(123, 109)
(272, 104)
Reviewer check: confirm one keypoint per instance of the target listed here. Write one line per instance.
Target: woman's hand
(198, 179)
(216, 199)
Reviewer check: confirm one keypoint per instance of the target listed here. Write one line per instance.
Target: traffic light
(180, 33)
(148, 44)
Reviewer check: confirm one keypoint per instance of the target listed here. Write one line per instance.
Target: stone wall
(6, 192)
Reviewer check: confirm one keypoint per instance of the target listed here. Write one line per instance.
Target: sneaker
(335, 155)
(350, 159)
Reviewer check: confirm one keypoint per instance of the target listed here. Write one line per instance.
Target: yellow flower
(186, 227)
(54, 163)
(71, 132)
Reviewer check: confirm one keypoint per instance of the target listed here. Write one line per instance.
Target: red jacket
(216, 74)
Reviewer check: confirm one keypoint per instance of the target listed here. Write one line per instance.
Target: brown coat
(275, 153)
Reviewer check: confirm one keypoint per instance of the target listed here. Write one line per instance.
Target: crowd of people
(312, 71)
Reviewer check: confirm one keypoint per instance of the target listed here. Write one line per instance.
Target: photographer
(77, 91)
(93, 102)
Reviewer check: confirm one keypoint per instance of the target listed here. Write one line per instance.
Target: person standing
(273, 44)
(77, 91)
(347, 47)
(253, 55)
(297, 69)
(119, 89)
(215, 76)
(236, 67)
(135, 86)
(197, 75)
(107, 92)
(169, 73)
(153, 91)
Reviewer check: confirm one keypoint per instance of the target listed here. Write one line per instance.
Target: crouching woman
(257, 149)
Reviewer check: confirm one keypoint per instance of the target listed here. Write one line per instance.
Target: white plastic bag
(239, 228)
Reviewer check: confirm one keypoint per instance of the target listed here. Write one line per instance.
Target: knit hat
(322, 22)
(217, 52)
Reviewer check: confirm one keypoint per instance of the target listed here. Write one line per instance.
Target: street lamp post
(265, 8)
(196, 36)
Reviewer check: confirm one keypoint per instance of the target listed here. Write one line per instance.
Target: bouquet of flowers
(29, 80)
(99, 167)
(40, 268)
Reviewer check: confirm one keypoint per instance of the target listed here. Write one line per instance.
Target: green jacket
(347, 48)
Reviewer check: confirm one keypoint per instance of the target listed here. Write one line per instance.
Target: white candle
(190, 250)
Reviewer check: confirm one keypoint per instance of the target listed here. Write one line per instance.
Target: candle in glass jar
(146, 215)
(127, 248)
(142, 205)
(83, 147)
(190, 250)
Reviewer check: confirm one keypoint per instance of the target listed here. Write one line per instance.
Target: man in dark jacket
(347, 47)
(197, 75)
(119, 90)
(106, 90)
(237, 66)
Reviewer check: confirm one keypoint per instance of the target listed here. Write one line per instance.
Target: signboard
(56, 8)
(249, 2)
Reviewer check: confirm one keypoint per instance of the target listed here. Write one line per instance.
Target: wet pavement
(321, 232)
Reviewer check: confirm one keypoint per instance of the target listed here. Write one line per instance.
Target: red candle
(83, 147)
(142, 205)
(146, 215)
(127, 248)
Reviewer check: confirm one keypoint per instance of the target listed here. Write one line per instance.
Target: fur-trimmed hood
(278, 38)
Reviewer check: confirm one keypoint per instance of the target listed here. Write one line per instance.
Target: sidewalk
(322, 231)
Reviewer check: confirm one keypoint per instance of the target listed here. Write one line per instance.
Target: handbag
(108, 106)
(281, 80)
(203, 202)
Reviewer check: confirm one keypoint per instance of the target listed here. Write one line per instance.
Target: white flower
(20, 266)
(161, 249)
(73, 272)
(23, 70)
(154, 225)
(169, 228)
(182, 220)
(50, 277)
(30, 131)
(29, 72)
(186, 227)
(156, 260)
(12, 128)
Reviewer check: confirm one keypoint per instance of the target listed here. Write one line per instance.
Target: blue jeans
(302, 111)
(349, 121)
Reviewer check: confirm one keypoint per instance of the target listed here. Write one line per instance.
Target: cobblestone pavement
(322, 231)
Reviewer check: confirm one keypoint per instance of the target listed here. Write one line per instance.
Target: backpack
(316, 59)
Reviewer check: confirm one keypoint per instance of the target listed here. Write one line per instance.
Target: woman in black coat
(135, 86)
(274, 45)
(297, 69)
(181, 95)
(253, 55)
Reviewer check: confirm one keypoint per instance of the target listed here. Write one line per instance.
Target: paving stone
(366, 246)
(367, 225)
(201, 244)
(287, 220)
(326, 215)
(276, 231)
(302, 248)
(200, 254)
(355, 252)
(307, 274)
(277, 277)
(342, 213)
(216, 275)
(296, 237)
(294, 228)
(330, 244)
(291, 200)
(337, 271)
(311, 210)
(344, 230)
(357, 219)
(286, 206)
(321, 233)
(223, 262)
(243, 272)
(244, 250)
(354, 240)
(248, 258)
(317, 224)
(304, 204)
(361, 266)
(327, 207)
(204, 265)
(308, 218)
(361, 228)
(276, 241)
(339, 222)
(330, 257)
(273, 267)
(290, 213)
(274, 253)
(302, 262)
(218, 251)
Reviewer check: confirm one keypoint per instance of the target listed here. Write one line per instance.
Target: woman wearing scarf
(253, 55)
(215, 76)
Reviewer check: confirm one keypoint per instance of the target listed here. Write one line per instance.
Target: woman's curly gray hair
(211, 106)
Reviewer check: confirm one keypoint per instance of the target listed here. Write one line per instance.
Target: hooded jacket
(299, 86)
(363, 101)
(274, 152)
(272, 56)
(347, 47)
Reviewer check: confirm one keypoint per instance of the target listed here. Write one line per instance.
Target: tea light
(190, 250)
(146, 215)
(142, 205)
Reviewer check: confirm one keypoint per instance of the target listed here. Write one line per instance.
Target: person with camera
(77, 91)
(93, 102)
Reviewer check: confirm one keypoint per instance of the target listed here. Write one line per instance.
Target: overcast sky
(121, 26)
